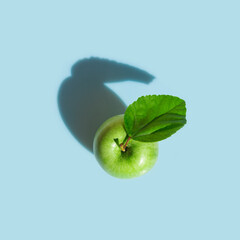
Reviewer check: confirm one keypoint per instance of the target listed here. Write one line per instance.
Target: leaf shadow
(84, 101)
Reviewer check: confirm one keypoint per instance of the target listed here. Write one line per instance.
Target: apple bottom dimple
(137, 160)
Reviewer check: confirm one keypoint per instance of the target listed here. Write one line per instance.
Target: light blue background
(51, 187)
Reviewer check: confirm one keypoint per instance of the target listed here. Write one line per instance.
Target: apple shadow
(84, 101)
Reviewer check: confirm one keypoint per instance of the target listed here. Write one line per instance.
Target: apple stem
(123, 146)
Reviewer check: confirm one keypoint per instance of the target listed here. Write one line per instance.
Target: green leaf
(155, 117)
(116, 141)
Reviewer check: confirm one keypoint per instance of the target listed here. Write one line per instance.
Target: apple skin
(138, 158)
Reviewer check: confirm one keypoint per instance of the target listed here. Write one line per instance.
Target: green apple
(137, 159)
